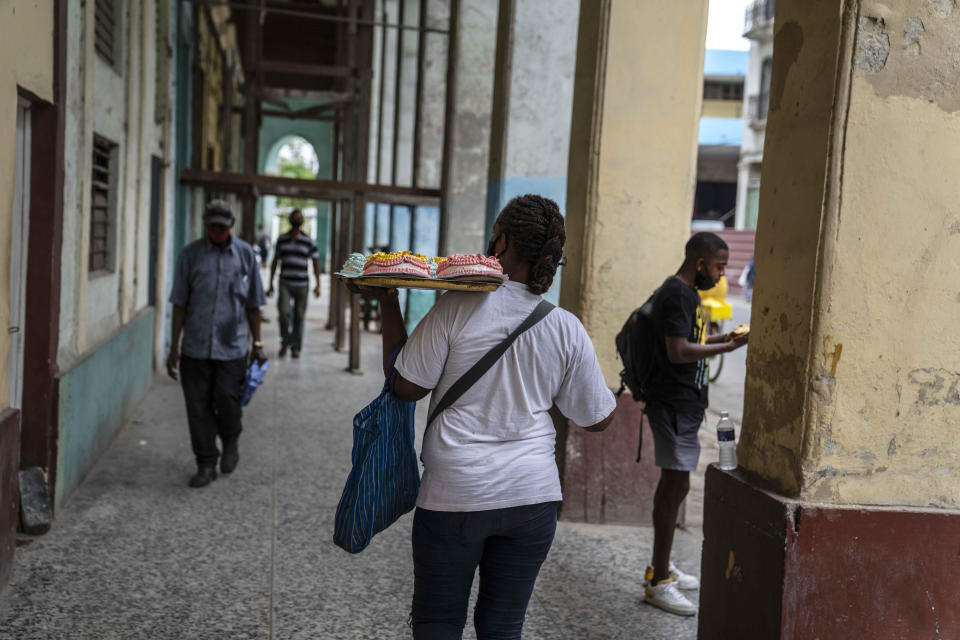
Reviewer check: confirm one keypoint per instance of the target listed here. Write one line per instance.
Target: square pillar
(848, 449)
(637, 95)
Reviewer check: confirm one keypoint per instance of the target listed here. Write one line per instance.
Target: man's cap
(218, 212)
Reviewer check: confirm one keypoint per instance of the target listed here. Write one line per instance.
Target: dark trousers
(292, 305)
(509, 545)
(212, 390)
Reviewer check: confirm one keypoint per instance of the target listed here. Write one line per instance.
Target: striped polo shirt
(295, 254)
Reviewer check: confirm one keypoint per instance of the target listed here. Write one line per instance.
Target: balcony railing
(759, 14)
(757, 106)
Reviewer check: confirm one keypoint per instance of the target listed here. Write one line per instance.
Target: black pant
(509, 545)
(212, 390)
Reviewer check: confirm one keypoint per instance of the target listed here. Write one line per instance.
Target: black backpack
(635, 346)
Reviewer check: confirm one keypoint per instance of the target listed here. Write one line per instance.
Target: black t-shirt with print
(678, 313)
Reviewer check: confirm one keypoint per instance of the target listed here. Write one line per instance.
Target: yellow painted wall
(722, 109)
(853, 390)
(632, 164)
(890, 422)
(26, 60)
(795, 164)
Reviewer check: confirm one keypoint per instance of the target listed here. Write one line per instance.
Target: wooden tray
(398, 282)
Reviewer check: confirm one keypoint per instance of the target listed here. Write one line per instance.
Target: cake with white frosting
(476, 266)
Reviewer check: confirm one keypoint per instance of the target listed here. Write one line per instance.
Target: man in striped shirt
(293, 251)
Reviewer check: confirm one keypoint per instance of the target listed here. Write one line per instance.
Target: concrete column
(532, 105)
(853, 389)
(743, 184)
(632, 167)
(632, 163)
(471, 125)
(500, 112)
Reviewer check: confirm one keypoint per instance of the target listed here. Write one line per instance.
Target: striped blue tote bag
(385, 479)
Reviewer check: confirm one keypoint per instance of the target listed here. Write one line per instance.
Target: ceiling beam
(301, 10)
(234, 182)
(279, 96)
(297, 115)
(303, 69)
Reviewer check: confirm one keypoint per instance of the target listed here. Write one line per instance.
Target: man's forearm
(273, 272)
(253, 321)
(691, 352)
(179, 313)
(316, 270)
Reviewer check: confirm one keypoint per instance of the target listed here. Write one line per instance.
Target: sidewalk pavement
(135, 553)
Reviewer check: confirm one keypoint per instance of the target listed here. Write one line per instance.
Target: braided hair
(534, 228)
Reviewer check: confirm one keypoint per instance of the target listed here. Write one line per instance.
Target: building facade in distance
(758, 28)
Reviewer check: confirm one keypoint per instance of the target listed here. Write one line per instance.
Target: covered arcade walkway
(134, 553)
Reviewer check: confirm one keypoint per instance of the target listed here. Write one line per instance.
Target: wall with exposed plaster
(26, 62)
(632, 163)
(853, 390)
(109, 332)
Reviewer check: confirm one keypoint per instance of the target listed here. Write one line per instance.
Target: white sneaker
(666, 596)
(684, 581)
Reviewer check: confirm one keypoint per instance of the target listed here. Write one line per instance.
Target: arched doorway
(295, 156)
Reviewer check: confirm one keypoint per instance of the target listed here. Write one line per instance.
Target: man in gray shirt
(216, 297)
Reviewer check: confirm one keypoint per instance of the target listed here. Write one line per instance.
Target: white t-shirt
(494, 448)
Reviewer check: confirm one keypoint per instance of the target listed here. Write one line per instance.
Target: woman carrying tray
(490, 486)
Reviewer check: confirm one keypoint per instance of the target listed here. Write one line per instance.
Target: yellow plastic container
(715, 304)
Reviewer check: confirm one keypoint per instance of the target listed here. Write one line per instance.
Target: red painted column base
(9, 489)
(774, 567)
(602, 481)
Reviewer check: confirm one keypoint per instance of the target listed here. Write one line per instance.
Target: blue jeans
(509, 545)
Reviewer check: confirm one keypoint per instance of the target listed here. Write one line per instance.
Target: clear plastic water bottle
(726, 439)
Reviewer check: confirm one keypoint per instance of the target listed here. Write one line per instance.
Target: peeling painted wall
(632, 163)
(116, 102)
(96, 398)
(795, 169)
(890, 424)
(108, 332)
(911, 48)
(26, 60)
(540, 107)
(471, 126)
(853, 389)
(540, 104)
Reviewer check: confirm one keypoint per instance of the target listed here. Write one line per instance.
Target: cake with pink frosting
(403, 263)
(474, 267)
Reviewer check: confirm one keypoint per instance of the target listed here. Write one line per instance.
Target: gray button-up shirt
(216, 286)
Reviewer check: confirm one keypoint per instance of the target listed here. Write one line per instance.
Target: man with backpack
(665, 349)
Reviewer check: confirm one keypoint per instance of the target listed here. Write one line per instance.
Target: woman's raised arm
(391, 317)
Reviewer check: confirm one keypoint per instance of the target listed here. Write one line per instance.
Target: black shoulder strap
(476, 371)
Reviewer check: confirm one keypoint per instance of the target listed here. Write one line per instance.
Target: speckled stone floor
(134, 553)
